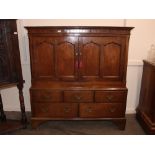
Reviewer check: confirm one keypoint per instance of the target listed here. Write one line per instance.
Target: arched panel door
(66, 58)
(89, 60)
(42, 57)
(113, 59)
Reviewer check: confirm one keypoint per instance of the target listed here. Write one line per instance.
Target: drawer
(55, 110)
(46, 96)
(101, 110)
(78, 96)
(110, 96)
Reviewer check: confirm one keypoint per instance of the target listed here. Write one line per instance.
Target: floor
(83, 128)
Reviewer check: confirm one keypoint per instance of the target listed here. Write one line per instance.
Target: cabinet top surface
(78, 29)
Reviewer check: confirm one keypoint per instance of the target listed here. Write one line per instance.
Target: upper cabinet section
(79, 53)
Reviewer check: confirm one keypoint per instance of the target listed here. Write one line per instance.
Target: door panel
(90, 60)
(66, 58)
(43, 57)
(111, 60)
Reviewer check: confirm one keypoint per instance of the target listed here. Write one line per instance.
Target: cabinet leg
(2, 114)
(120, 123)
(22, 105)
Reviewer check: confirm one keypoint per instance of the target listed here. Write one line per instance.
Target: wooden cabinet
(78, 73)
(146, 107)
(10, 66)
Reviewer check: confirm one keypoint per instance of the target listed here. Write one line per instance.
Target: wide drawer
(101, 110)
(110, 96)
(78, 96)
(46, 96)
(55, 110)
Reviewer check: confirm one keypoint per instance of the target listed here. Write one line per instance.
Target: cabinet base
(119, 122)
(145, 122)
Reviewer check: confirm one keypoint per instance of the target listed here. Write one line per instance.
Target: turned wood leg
(22, 105)
(2, 114)
(120, 123)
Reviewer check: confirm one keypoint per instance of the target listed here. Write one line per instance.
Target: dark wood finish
(78, 96)
(83, 68)
(101, 110)
(10, 65)
(44, 95)
(110, 96)
(55, 110)
(145, 109)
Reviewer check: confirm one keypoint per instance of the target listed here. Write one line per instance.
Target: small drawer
(78, 96)
(101, 110)
(55, 110)
(110, 96)
(46, 96)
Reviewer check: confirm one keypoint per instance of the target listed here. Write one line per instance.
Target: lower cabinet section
(78, 105)
(101, 110)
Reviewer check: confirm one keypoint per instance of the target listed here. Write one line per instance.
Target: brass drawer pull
(45, 109)
(110, 97)
(66, 109)
(77, 97)
(47, 96)
(89, 110)
(112, 110)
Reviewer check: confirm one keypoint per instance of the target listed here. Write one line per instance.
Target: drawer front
(101, 110)
(55, 110)
(46, 96)
(78, 96)
(110, 96)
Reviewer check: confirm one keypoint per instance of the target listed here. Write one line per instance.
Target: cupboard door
(89, 58)
(113, 58)
(102, 58)
(42, 57)
(66, 58)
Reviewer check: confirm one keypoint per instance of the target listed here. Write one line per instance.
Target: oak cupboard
(78, 73)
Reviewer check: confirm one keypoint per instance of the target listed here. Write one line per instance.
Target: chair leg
(22, 105)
